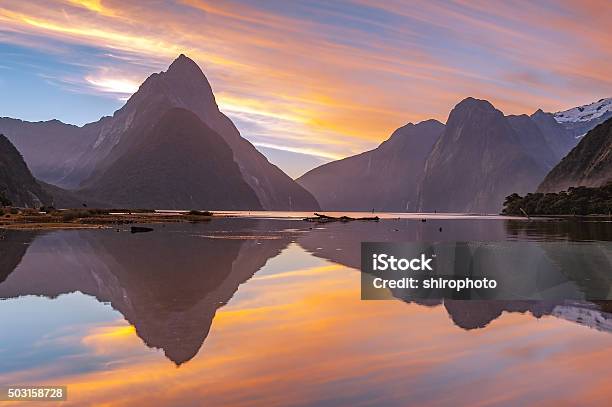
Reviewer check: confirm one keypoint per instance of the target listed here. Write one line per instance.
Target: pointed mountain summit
(114, 142)
(560, 140)
(383, 179)
(468, 165)
(478, 161)
(533, 140)
(17, 185)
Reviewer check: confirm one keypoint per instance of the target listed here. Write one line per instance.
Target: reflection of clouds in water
(317, 341)
(48, 338)
(297, 330)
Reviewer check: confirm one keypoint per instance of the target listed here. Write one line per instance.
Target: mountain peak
(430, 123)
(183, 84)
(472, 108)
(470, 103)
(184, 65)
(542, 115)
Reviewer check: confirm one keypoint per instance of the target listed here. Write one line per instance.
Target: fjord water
(265, 311)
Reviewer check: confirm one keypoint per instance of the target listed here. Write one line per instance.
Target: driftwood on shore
(140, 229)
(320, 218)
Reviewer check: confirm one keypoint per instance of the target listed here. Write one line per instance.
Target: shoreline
(31, 219)
(93, 219)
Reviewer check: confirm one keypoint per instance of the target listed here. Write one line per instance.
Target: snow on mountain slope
(585, 113)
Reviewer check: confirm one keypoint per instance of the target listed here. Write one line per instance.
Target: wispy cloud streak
(311, 74)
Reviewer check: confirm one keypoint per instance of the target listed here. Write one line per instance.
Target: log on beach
(321, 218)
(140, 229)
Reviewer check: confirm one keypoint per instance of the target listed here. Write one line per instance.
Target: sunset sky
(307, 81)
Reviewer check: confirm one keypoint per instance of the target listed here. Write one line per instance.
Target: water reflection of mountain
(340, 243)
(168, 284)
(13, 246)
(478, 314)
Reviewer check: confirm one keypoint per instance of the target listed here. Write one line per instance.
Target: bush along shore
(46, 218)
(574, 201)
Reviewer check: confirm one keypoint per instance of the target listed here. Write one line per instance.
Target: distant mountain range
(126, 160)
(171, 147)
(17, 185)
(383, 179)
(468, 165)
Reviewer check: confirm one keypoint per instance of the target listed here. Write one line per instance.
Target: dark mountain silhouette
(560, 140)
(106, 141)
(533, 140)
(17, 184)
(340, 243)
(51, 149)
(466, 166)
(168, 288)
(64, 198)
(180, 163)
(478, 314)
(588, 164)
(383, 179)
(478, 161)
(12, 248)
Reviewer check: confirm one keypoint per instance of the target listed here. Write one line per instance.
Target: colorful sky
(307, 81)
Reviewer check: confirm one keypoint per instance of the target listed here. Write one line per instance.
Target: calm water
(267, 312)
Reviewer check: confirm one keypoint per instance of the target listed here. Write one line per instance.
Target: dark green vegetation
(581, 184)
(49, 217)
(574, 201)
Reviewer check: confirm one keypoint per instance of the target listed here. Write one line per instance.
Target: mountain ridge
(100, 144)
(378, 179)
(476, 162)
(166, 170)
(364, 182)
(79, 158)
(588, 164)
(17, 185)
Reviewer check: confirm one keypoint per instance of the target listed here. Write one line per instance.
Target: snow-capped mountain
(585, 113)
(579, 120)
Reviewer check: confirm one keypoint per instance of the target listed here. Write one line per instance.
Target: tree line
(574, 201)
